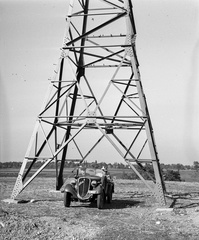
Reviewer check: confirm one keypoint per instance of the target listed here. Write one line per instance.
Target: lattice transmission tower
(95, 98)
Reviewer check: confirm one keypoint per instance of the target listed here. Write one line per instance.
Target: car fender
(99, 189)
(69, 188)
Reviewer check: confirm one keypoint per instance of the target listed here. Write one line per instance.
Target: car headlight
(93, 183)
(73, 182)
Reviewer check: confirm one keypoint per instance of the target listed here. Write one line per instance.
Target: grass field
(189, 175)
(132, 215)
(186, 175)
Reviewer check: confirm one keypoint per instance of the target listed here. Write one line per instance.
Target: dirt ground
(133, 214)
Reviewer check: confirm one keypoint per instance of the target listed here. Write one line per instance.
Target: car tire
(67, 199)
(109, 196)
(100, 200)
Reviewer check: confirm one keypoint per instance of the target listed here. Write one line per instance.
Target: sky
(167, 48)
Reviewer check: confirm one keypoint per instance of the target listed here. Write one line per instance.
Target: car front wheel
(100, 200)
(67, 199)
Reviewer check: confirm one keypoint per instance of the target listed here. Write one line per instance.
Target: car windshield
(91, 172)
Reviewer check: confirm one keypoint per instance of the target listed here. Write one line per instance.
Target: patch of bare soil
(133, 214)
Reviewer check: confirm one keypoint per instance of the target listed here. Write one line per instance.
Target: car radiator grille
(84, 184)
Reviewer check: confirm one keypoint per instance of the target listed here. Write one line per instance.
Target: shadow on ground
(115, 204)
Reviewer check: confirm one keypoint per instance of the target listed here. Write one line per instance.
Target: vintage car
(89, 185)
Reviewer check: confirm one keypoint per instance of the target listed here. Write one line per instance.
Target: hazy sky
(31, 34)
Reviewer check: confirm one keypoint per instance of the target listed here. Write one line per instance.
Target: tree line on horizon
(95, 164)
(171, 172)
